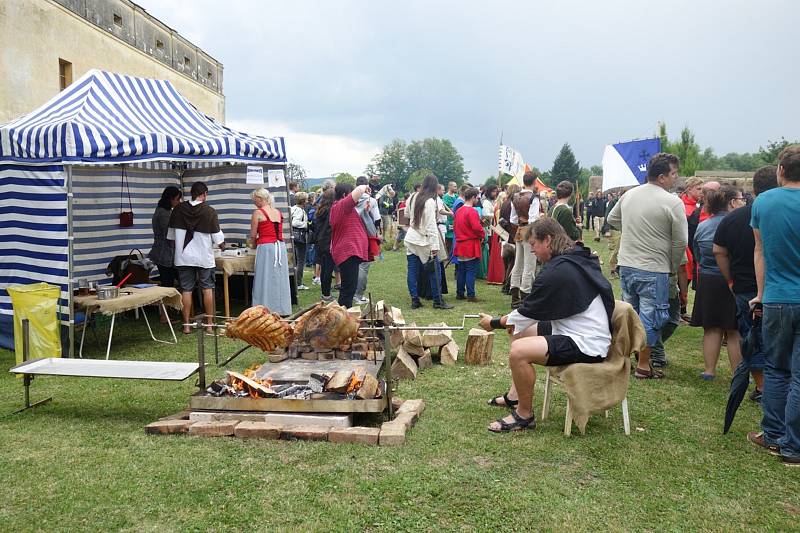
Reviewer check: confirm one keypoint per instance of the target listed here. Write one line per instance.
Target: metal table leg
(83, 332)
(110, 335)
(201, 353)
(27, 378)
(152, 336)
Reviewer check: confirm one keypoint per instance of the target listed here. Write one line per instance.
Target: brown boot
(522, 296)
(515, 298)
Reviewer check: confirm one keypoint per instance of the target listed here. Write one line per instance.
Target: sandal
(509, 402)
(648, 374)
(518, 424)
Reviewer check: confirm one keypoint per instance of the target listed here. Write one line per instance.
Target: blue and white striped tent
(61, 178)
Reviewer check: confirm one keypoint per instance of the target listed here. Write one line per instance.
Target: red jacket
(468, 233)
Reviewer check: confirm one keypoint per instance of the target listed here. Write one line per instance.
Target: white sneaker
(302, 288)
(315, 281)
(360, 301)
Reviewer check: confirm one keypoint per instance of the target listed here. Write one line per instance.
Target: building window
(118, 20)
(186, 61)
(159, 45)
(64, 74)
(209, 75)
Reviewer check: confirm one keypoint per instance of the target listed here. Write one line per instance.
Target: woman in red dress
(497, 272)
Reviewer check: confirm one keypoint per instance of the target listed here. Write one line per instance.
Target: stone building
(740, 180)
(46, 44)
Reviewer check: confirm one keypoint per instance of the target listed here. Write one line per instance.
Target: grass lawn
(84, 462)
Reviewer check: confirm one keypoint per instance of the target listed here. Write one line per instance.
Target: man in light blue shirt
(776, 227)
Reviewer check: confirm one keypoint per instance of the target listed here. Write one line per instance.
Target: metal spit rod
(422, 328)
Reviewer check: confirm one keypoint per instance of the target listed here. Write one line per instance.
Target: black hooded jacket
(566, 286)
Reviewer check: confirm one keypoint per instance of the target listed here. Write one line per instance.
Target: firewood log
(479, 347)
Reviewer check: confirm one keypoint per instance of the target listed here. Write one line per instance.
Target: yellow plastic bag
(38, 302)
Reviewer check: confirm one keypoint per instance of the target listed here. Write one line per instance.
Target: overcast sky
(340, 79)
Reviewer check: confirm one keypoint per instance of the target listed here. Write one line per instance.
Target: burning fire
(355, 383)
(251, 385)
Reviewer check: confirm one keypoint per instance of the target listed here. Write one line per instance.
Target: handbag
(299, 235)
(125, 217)
(122, 265)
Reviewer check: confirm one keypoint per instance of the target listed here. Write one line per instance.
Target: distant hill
(315, 182)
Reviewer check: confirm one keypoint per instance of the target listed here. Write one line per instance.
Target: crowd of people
(741, 258)
(739, 253)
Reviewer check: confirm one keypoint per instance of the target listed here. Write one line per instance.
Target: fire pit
(325, 361)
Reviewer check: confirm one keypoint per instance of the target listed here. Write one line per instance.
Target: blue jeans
(648, 293)
(781, 400)
(414, 266)
(466, 277)
(657, 355)
(311, 255)
(745, 322)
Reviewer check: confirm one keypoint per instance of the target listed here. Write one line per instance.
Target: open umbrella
(741, 377)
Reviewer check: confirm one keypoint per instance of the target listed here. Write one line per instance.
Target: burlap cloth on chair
(136, 298)
(593, 388)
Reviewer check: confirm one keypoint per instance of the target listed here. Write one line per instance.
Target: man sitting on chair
(565, 319)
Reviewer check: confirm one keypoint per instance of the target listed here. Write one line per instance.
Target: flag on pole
(511, 162)
(625, 164)
(540, 185)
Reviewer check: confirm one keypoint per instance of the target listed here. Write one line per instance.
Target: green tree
(694, 158)
(565, 167)
(438, 155)
(344, 177)
(596, 170)
(297, 174)
(769, 154)
(491, 180)
(688, 151)
(391, 165)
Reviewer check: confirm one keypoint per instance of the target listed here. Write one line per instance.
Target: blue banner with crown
(637, 154)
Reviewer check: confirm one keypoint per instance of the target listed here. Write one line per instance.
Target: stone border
(392, 433)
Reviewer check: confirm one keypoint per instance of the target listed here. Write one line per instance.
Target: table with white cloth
(130, 298)
(231, 265)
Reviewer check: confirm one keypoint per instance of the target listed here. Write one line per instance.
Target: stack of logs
(414, 352)
(414, 346)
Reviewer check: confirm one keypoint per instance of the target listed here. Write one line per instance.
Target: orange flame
(354, 384)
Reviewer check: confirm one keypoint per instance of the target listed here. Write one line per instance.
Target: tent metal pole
(70, 237)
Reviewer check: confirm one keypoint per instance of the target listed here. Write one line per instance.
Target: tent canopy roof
(109, 118)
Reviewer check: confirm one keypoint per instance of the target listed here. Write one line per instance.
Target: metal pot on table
(107, 293)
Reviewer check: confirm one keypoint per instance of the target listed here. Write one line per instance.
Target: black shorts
(561, 349)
